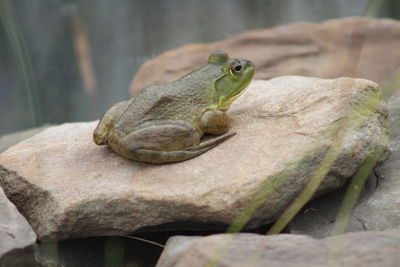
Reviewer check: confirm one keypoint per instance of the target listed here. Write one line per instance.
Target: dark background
(69, 60)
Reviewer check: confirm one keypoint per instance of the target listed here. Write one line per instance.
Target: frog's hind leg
(164, 141)
(108, 120)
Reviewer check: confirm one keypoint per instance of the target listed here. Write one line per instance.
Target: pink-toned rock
(367, 249)
(66, 186)
(354, 47)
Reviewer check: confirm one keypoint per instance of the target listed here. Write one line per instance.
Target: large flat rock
(367, 249)
(67, 186)
(342, 47)
(17, 238)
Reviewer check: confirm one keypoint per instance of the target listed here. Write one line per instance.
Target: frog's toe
(100, 138)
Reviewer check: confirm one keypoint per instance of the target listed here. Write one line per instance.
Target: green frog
(165, 123)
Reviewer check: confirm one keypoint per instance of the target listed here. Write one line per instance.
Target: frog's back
(186, 98)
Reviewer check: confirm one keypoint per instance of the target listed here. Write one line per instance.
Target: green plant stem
(309, 190)
(353, 192)
(373, 7)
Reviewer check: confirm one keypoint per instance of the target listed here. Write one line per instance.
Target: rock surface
(175, 248)
(344, 47)
(365, 249)
(68, 187)
(17, 238)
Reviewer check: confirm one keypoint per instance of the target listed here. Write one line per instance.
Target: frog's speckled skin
(164, 123)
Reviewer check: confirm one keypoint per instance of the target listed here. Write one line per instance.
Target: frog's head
(236, 75)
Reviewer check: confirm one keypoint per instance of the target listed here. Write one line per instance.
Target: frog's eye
(236, 68)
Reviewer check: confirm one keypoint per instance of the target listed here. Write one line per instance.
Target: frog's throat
(224, 102)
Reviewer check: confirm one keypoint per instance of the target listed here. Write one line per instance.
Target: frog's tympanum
(165, 123)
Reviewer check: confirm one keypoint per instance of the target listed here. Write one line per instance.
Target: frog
(166, 123)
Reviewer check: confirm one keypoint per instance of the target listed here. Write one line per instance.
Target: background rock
(357, 249)
(335, 48)
(68, 187)
(17, 238)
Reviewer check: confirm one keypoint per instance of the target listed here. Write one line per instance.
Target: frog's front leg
(215, 122)
(164, 141)
(108, 120)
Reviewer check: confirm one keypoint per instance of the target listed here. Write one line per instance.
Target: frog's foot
(210, 143)
(155, 156)
(108, 120)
